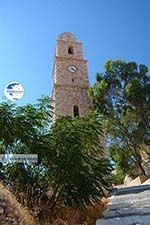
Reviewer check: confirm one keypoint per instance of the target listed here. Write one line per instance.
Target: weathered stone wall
(62, 76)
(67, 97)
(66, 40)
(69, 88)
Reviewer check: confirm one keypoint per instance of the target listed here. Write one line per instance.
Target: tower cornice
(70, 86)
(70, 42)
(70, 58)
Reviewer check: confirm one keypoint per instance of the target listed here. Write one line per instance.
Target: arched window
(70, 50)
(75, 110)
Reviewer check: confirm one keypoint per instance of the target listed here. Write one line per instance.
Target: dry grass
(76, 216)
(22, 213)
(66, 216)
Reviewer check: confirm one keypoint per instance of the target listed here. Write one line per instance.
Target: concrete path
(128, 206)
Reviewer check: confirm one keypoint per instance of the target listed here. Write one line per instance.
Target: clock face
(72, 69)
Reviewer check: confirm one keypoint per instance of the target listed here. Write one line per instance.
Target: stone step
(131, 202)
(130, 190)
(127, 211)
(130, 197)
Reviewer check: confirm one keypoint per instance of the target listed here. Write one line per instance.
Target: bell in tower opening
(70, 79)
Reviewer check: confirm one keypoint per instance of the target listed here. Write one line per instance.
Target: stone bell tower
(70, 78)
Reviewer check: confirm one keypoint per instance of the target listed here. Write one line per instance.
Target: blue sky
(109, 29)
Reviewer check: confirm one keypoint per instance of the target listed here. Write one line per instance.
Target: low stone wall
(11, 212)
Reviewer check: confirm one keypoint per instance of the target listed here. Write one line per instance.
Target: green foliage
(71, 168)
(75, 146)
(24, 130)
(121, 95)
(6, 123)
(118, 178)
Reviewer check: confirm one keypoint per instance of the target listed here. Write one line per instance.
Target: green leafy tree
(24, 130)
(79, 175)
(121, 95)
(69, 171)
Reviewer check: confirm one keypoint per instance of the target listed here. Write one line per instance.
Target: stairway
(128, 206)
